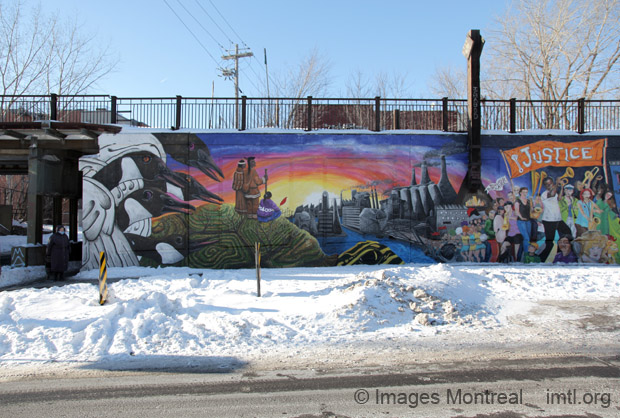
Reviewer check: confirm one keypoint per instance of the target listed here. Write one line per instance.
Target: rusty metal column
(472, 51)
(35, 200)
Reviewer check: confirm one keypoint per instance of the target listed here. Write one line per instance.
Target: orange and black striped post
(103, 278)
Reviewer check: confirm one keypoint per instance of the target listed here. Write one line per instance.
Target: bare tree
(449, 82)
(13, 191)
(311, 77)
(394, 85)
(40, 54)
(359, 86)
(557, 49)
(75, 66)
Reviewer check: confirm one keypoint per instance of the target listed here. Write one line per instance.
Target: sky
(159, 57)
(327, 165)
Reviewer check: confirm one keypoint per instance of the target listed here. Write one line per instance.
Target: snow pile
(389, 300)
(21, 276)
(216, 313)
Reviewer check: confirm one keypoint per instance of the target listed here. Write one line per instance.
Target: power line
(190, 31)
(214, 22)
(258, 78)
(249, 79)
(251, 67)
(201, 25)
(244, 43)
(256, 74)
(231, 28)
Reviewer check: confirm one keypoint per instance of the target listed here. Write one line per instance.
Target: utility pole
(236, 57)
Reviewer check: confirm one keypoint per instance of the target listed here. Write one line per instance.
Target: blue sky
(159, 57)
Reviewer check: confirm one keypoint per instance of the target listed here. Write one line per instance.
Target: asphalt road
(536, 387)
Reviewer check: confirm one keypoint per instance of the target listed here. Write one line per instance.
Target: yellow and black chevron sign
(368, 252)
(103, 279)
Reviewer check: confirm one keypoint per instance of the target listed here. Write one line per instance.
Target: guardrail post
(444, 114)
(309, 115)
(581, 115)
(377, 113)
(396, 119)
(53, 106)
(243, 113)
(103, 278)
(177, 125)
(113, 110)
(513, 116)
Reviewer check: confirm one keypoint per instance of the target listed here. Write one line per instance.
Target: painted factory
(407, 213)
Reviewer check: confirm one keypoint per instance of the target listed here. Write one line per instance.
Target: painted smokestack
(425, 177)
(413, 182)
(405, 195)
(435, 193)
(445, 187)
(416, 203)
(427, 200)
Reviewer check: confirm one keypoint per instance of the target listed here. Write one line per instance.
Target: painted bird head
(190, 150)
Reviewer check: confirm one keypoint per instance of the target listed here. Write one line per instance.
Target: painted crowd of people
(565, 223)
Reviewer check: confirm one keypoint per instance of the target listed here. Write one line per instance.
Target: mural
(553, 202)
(318, 199)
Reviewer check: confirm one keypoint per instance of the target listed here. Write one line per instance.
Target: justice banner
(522, 160)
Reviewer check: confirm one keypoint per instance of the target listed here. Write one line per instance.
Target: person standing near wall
(551, 217)
(569, 208)
(250, 187)
(524, 219)
(58, 248)
(587, 209)
(237, 186)
(513, 236)
(492, 247)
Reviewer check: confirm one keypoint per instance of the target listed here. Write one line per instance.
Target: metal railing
(308, 113)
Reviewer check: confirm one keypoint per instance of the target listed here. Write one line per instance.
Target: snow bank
(216, 313)
(21, 276)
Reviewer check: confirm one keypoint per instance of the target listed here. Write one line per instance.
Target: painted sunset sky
(301, 166)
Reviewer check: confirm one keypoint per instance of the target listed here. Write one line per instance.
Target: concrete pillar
(35, 199)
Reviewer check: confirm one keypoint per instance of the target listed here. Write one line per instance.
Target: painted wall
(569, 186)
(198, 199)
